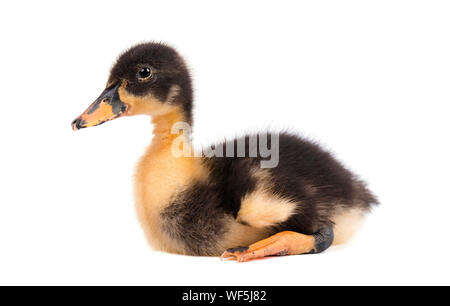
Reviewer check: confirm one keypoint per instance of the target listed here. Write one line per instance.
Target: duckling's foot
(283, 243)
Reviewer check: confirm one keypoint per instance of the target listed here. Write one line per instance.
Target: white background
(368, 79)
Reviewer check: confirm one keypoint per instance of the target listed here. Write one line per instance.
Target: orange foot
(283, 243)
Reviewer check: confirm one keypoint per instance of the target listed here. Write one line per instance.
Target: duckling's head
(149, 78)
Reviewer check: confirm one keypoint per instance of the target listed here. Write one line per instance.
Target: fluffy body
(234, 202)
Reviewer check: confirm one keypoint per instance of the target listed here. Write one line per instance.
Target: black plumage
(306, 174)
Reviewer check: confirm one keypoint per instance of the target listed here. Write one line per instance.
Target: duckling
(210, 205)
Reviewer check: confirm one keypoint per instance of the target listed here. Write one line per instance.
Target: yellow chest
(160, 176)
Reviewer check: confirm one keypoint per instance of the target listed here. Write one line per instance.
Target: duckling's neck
(169, 127)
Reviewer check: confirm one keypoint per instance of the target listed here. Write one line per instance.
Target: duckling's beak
(107, 107)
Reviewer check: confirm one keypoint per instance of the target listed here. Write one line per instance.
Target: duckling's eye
(144, 73)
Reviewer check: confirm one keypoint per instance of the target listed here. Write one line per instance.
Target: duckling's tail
(349, 220)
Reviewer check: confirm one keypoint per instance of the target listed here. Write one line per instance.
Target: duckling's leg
(283, 243)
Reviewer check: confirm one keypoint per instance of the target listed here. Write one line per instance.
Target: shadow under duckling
(211, 205)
